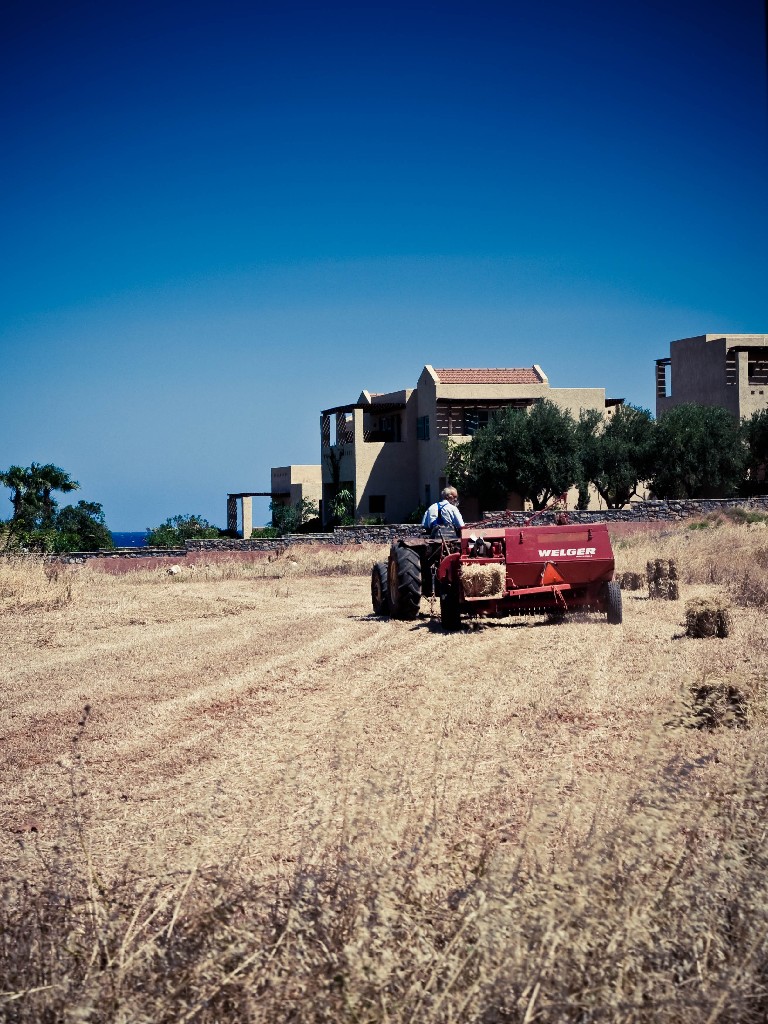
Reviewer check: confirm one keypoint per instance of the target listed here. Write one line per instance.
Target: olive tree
(616, 452)
(534, 453)
(755, 434)
(697, 451)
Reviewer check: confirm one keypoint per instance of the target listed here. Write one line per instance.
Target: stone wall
(341, 535)
(640, 512)
(127, 553)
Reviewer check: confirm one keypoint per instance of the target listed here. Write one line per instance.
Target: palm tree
(50, 478)
(20, 481)
(26, 503)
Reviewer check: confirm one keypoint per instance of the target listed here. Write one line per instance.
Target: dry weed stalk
(283, 808)
(657, 913)
(34, 582)
(713, 551)
(286, 561)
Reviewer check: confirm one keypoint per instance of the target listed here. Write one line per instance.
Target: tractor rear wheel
(380, 589)
(613, 600)
(404, 583)
(450, 612)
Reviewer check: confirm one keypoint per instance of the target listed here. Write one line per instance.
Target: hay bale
(482, 580)
(662, 577)
(716, 704)
(630, 580)
(707, 617)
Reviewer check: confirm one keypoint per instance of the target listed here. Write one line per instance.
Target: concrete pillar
(247, 517)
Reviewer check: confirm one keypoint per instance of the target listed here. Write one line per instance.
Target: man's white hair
(449, 492)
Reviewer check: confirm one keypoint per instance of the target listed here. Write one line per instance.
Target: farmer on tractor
(443, 514)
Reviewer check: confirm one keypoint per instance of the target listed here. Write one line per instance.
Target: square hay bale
(662, 577)
(630, 580)
(718, 703)
(483, 580)
(706, 616)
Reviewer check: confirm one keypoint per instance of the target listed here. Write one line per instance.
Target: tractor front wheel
(613, 600)
(380, 589)
(404, 583)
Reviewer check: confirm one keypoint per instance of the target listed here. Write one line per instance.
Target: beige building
(388, 449)
(730, 370)
(292, 484)
(289, 486)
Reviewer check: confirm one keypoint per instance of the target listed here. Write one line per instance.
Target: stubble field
(278, 806)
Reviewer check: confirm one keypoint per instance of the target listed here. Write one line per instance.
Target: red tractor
(551, 569)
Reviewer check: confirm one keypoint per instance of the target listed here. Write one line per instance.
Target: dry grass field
(233, 794)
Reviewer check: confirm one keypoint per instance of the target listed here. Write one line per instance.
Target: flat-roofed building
(729, 370)
(288, 486)
(292, 484)
(388, 449)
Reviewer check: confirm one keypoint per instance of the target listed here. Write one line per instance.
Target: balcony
(346, 424)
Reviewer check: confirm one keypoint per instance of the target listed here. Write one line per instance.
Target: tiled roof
(510, 375)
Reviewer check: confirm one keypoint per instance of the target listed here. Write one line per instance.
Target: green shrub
(176, 529)
(290, 518)
(744, 516)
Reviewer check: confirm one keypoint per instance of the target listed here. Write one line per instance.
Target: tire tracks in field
(206, 726)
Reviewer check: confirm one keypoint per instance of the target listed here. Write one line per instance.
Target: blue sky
(219, 219)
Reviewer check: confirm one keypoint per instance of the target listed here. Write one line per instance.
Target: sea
(130, 540)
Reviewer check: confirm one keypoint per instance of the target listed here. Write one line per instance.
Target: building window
(757, 369)
(422, 428)
(382, 428)
(376, 504)
(427, 495)
(475, 419)
(731, 368)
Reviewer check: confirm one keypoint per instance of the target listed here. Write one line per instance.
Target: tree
(25, 501)
(342, 508)
(458, 465)
(81, 527)
(339, 508)
(176, 529)
(290, 518)
(45, 480)
(616, 452)
(19, 481)
(697, 451)
(533, 453)
(34, 521)
(755, 434)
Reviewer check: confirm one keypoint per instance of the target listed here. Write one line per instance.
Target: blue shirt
(444, 511)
